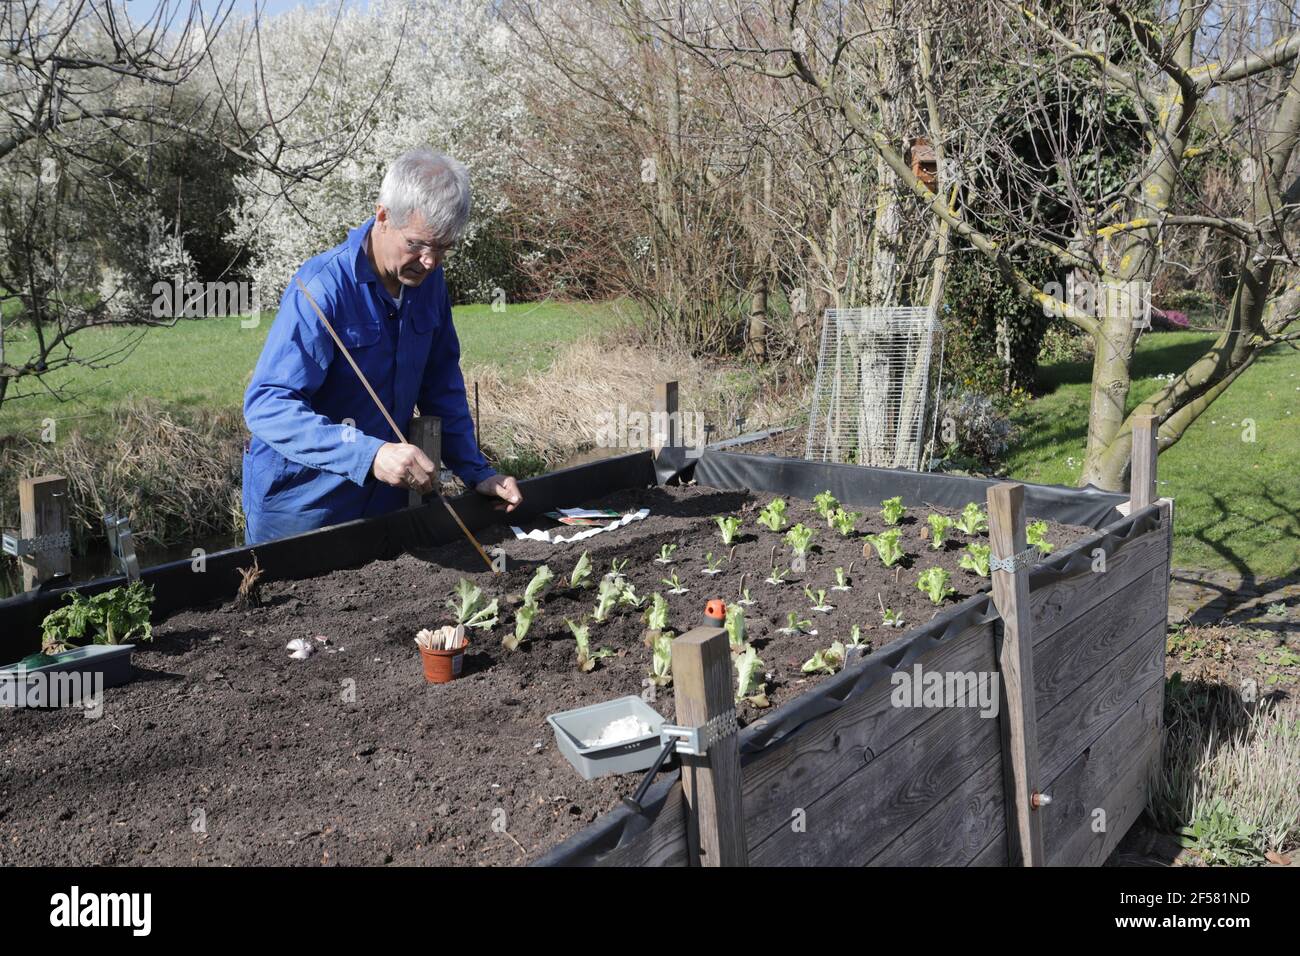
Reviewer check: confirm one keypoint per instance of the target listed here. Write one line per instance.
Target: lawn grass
(1237, 502)
(206, 363)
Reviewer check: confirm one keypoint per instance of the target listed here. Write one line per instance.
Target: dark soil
(224, 751)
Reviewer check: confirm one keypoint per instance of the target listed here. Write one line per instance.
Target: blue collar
(361, 268)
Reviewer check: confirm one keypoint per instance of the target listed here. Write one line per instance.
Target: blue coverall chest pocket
(359, 335)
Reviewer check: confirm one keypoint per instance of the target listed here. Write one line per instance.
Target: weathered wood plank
(1083, 715)
(663, 844)
(832, 748)
(425, 433)
(859, 818)
(1142, 467)
(1094, 780)
(1083, 646)
(995, 854)
(959, 827)
(702, 691)
(1019, 714)
(43, 510)
(1056, 604)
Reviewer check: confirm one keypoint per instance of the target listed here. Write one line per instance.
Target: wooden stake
(426, 434)
(665, 417)
(702, 683)
(1142, 470)
(1016, 661)
(43, 510)
(392, 424)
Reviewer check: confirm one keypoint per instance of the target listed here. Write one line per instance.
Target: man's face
(411, 249)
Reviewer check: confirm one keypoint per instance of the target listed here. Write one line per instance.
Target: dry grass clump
(1234, 766)
(176, 476)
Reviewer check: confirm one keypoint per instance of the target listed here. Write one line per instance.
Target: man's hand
(405, 466)
(503, 487)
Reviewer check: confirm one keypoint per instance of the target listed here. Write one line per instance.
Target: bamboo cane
(389, 418)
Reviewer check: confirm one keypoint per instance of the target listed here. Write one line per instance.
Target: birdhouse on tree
(920, 155)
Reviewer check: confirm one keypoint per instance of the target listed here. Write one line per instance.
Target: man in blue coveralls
(315, 458)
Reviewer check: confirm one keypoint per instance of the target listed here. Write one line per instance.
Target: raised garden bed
(351, 757)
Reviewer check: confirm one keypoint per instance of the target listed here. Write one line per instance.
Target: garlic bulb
(301, 648)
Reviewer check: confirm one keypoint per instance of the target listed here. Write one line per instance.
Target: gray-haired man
(317, 456)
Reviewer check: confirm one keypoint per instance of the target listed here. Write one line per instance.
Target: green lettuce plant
(976, 558)
(661, 660)
(674, 585)
(470, 609)
(730, 528)
(887, 546)
(844, 522)
(795, 626)
(973, 520)
(892, 510)
(818, 599)
(799, 538)
(580, 576)
(891, 618)
(842, 579)
(827, 661)
(540, 580)
(712, 565)
(1036, 535)
(735, 626)
(666, 554)
(777, 576)
(855, 638)
(772, 517)
(586, 657)
(825, 504)
(656, 615)
(934, 582)
(750, 685)
(523, 621)
(939, 526)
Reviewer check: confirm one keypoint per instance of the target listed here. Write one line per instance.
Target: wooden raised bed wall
(841, 777)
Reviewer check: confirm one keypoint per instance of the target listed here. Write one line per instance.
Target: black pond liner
(352, 544)
(620, 826)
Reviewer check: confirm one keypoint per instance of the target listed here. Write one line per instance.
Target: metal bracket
(696, 741)
(1014, 563)
(41, 544)
(122, 545)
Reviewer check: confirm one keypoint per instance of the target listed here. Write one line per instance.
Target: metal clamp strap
(42, 543)
(696, 741)
(1014, 563)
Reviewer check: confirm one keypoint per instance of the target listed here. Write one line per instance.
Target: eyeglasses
(432, 249)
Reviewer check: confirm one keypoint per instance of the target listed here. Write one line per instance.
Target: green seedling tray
(572, 727)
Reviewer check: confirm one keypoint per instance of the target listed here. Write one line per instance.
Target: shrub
(980, 433)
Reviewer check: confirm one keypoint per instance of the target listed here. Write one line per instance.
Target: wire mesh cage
(877, 388)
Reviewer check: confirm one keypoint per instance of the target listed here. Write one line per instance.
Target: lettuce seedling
(661, 660)
(580, 577)
(818, 599)
(1036, 535)
(772, 517)
(744, 598)
(976, 558)
(844, 521)
(939, 526)
(829, 660)
(842, 579)
(777, 576)
(586, 658)
(666, 554)
(892, 510)
(973, 520)
(795, 626)
(934, 582)
(541, 578)
(825, 504)
(714, 565)
(674, 586)
(855, 638)
(470, 611)
(887, 546)
(750, 685)
(616, 568)
(523, 621)
(799, 538)
(730, 528)
(111, 617)
(891, 618)
(607, 598)
(656, 615)
(735, 626)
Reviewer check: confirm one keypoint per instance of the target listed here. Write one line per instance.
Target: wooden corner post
(1142, 470)
(43, 520)
(710, 783)
(426, 434)
(664, 425)
(1016, 661)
